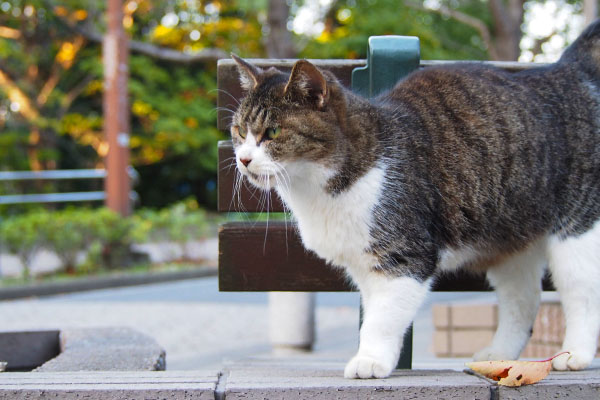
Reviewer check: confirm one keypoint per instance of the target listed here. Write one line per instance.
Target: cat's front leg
(389, 305)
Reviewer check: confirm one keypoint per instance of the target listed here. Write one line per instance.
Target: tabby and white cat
(458, 166)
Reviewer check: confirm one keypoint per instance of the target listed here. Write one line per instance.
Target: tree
(51, 85)
(448, 29)
(349, 23)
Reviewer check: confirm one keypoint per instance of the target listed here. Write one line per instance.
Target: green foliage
(173, 125)
(22, 236)
(180, 223)
(350, 23)
(104, 235)
(67, 234)
(73, 231)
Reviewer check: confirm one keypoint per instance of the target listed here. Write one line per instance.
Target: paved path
(197, 325)
(200, 327)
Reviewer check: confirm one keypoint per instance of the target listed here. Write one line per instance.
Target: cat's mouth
(263, 181)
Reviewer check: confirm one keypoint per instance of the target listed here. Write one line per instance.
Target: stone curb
(106, 349)
(102, 282)
(287, 379)
(96, 385)
(81, 349)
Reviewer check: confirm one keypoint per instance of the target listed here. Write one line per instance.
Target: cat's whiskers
(283, 185)
(232, 163)
(228, 94)
(268, 198)
(237, 186)
(229, 110)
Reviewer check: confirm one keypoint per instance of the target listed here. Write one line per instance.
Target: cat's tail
(585, 51)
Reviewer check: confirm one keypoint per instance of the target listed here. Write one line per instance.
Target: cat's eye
(272, 133)
(240, 131)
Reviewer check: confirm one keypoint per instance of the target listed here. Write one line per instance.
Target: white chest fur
(337, 227)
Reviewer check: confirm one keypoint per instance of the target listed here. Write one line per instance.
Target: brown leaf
(513, 373)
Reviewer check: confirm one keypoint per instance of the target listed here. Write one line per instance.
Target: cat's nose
(245, 161)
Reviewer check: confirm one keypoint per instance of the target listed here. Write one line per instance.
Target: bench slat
(252, 259)
(249, 260)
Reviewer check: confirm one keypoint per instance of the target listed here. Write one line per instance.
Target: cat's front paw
(573, 361)
(365, 367)
(492, 354)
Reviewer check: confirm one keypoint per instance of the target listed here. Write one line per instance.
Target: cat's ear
(307, 80)
(249, 74)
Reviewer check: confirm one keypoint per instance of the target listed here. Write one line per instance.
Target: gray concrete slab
(289, 378)
(106, 349)
(323, 379)
(173, 385)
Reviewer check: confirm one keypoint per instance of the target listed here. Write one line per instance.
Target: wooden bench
(248, 262)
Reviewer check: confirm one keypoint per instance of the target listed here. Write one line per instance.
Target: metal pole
(116, 110)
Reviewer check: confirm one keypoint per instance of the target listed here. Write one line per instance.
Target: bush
(115, 235)
(22, 236)
(68, 233)
(103, 234)
(180, 223)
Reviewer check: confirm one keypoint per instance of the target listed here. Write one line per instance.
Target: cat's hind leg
(575, 268)
(517, 282)
(389, 306)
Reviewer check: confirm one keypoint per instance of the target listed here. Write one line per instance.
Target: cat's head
(285, 120)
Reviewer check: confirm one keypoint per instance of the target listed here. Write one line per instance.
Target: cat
(457, 166)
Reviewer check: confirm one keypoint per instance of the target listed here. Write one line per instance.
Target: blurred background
(52, 83)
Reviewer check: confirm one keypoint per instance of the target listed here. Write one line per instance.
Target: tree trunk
(278, 40)
(508, 17)
(590, 11)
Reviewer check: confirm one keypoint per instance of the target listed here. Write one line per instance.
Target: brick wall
(461, 330)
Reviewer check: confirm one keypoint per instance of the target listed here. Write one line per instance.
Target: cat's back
(506, 154)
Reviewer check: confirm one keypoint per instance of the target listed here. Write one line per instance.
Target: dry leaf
(513, 373)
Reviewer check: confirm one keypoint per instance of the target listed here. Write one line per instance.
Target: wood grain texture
(252, 259)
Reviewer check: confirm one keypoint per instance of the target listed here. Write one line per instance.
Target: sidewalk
(198, 326)
(289, 379)
(217, 347)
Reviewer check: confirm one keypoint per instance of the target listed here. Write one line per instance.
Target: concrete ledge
(324, 380)
(106, 349)
(287, 379)
(91, 349)
(108, 385)
(580, 385)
